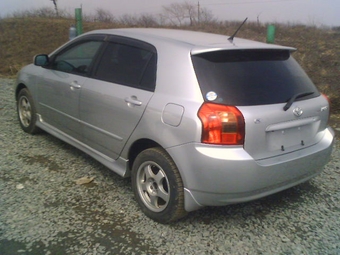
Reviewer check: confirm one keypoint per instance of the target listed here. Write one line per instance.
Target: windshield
(251, 77)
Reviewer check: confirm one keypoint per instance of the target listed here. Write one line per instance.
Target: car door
(60, 84)
(114, 100)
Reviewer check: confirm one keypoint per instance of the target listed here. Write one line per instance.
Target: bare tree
(176, 13)
(147, 20)
(192, 12)
(55, 7)
(183, 13)
(144, 20)
(128, 20)
(206, 16)
(103, 16)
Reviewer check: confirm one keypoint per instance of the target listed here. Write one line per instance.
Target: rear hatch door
(282, 108)
(271, 131)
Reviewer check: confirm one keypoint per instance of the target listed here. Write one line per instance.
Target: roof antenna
(231, 38)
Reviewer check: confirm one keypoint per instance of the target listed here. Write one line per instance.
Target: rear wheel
(158, 186)
(27, 112)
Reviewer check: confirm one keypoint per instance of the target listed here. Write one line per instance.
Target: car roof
(198, 42)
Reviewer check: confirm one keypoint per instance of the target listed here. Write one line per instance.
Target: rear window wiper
(293, 98)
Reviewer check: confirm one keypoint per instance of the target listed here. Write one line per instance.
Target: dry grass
(318, 49)
(22, 38)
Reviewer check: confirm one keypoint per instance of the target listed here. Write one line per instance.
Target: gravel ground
(44, 211)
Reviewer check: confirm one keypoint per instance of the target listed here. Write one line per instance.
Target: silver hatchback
(194, 118)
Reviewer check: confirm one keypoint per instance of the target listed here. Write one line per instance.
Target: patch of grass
(318, 49)
(22, 38)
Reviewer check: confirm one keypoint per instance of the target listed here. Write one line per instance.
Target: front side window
(127, 65)
(77, 59)
(251, 77)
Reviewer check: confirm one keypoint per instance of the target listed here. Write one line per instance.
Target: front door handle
(74, 85)
(133, 101)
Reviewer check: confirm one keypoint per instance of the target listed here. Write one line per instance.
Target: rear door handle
(132, 101)
(74, 85)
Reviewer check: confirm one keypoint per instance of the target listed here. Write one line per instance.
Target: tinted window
(251, 77)
(77, 59)
(127, 65)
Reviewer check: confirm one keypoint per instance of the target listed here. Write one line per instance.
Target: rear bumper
(215, 176)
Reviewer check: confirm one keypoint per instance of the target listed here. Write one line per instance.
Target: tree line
(175, 14)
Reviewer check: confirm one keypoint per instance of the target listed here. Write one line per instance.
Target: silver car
(195, 119)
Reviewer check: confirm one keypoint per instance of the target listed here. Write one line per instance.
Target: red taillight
(221, 124)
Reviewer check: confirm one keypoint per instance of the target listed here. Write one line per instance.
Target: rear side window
(251, 77)
(127, 65)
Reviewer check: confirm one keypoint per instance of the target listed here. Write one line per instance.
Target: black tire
(158, 186)
(27, 112)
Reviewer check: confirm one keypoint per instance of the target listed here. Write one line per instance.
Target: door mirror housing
(41, 60)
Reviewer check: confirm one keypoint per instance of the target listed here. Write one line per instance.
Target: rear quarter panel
(176, 84)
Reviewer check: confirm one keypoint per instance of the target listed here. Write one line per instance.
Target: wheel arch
(139, 146)
(142, 144)
(18, 88)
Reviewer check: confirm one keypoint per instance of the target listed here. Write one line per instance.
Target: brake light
(221, 124)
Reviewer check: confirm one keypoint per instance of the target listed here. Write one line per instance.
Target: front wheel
(27, 112)
(158, 186)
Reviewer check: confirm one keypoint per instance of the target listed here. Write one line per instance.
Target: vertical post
(198, 12)
(79, 21)
(271, 34)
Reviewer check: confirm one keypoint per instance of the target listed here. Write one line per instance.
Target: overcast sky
(318, 12)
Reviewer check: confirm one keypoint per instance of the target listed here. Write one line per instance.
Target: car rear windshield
(251, 77)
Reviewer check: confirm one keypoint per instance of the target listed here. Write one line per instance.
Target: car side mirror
(41, 60)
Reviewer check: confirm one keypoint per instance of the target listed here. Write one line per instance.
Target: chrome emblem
(298, 111)
(211, 96)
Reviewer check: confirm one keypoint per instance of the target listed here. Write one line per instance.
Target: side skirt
(119, 166)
